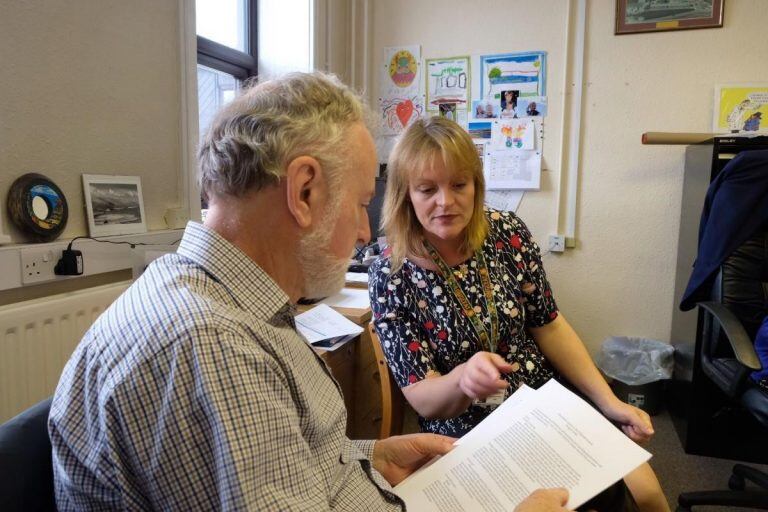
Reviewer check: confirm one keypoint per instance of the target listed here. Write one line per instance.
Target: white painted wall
(620, 278)
(91, 86)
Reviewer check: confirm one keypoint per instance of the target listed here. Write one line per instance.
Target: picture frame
(114, 205)
(740, 108)
(637, 16)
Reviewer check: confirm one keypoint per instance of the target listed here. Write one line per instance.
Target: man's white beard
(324, 273)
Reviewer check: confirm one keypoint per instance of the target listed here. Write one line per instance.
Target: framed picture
(740, 108)
(114, 205)
(633, 16)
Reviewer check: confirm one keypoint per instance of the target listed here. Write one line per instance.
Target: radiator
(38, 336)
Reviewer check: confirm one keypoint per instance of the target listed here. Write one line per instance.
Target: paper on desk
(322, 322)
(548, 438)
(357, 277)
(349, 298)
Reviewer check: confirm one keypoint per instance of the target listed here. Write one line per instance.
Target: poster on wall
(741, 108)
(506, 79)
(401, 100)
(448, 82)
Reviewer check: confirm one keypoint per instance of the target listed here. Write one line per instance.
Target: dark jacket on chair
(736, 206)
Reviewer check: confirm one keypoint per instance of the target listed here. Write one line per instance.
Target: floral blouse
(423, 329)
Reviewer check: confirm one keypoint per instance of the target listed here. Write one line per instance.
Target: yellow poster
(741, 108)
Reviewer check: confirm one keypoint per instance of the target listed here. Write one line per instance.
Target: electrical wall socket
(37, 265)
(556, 243)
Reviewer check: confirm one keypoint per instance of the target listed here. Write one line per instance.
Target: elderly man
(193, 391)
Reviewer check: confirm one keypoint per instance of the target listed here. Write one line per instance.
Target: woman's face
(443, 200)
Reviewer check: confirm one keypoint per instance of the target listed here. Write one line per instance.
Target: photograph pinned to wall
(533, 106)
(480, 147)
(398, 112)
(479, 129)
(114, 205)
(447, 110)
(448, 81)
(482, 109)
(523, 72)
(741, 108)
(513, 134)
(508, 103)
(635, 16)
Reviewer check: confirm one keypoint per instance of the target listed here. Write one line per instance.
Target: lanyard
(489, 341)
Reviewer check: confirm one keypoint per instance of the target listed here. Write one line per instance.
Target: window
(226, 52)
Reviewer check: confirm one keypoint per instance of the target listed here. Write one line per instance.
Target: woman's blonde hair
(421, 143)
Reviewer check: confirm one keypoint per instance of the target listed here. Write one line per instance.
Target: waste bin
(638, 367)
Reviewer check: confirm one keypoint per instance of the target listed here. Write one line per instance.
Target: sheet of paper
(513, 134)
(549, 438)
(512, 169)
(356, 277)
(505, 200)
(349, 298)
(322, 322)
(336, 345)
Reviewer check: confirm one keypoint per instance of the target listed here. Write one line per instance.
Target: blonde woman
(457, 342)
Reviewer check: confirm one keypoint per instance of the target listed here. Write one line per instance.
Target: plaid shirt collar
(251, 287)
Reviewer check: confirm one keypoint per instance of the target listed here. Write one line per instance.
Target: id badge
(492, 401)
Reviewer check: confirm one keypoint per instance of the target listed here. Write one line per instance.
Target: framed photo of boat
(114, 205)
(634, 16)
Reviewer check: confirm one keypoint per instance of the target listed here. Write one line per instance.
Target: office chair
(729, 325)
(392, 399)
(26, 471)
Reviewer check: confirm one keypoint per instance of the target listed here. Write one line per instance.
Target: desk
(355, 368)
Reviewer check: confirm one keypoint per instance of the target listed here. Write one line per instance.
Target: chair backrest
(26, 470)
(392, 399)
(742, 286)
(742, 283)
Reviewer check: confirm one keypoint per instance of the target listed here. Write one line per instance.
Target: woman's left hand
(634, 422)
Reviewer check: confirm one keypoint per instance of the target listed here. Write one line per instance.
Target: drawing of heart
(404, 111)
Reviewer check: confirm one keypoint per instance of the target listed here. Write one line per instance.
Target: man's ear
(304, 189)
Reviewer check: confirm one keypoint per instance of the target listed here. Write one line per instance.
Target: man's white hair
(253, 139)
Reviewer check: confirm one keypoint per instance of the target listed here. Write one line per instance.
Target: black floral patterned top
(422, 327)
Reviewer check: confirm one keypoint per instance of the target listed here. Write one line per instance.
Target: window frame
(222, 58)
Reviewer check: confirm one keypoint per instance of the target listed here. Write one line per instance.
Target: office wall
(91, 86)
(620, 278)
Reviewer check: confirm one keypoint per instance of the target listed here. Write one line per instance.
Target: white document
(349, 298)
(512, 169)
(357, 277)
(544, 438)
(505, 200)
(323, 323)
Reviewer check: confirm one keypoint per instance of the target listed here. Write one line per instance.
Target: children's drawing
(523, 72)
(401, 72)
(398, 113)
(448, 81)
(402, 68)
(513, 134)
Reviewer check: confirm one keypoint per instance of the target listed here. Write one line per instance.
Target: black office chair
(730, 322)
(26, 471)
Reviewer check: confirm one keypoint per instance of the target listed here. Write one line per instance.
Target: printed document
(544, 438)
(322, 323)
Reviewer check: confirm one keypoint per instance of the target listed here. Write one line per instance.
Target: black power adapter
(70, 264)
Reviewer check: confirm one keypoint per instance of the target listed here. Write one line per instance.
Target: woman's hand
(634, 422)
(398, 456)
(481, 376)
(544, 500)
